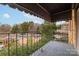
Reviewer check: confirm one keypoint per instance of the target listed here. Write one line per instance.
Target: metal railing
(19, 44)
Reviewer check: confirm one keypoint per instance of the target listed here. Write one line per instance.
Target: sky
(12, 16)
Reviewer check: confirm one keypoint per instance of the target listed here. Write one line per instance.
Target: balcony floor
(55, 48)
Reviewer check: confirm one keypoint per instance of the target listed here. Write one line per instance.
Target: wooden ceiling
(48, 11)
(56, 7)
(58, 11)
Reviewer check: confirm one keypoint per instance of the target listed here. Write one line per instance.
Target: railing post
(16, 44)
(27, 42)
(8, 45)
(22, 43)
(31, 41)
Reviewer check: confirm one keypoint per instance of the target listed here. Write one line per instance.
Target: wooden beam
(32, 8)
(61, 16)
(43, 8)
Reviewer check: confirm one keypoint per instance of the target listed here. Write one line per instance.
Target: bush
(25, 50)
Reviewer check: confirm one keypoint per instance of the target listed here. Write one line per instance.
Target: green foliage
(22, 28)
(47, 32)
(48, 29)
(15, 29)
(24, 50)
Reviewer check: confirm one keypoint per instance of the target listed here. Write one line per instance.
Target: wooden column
(73, 26)
(70, 32)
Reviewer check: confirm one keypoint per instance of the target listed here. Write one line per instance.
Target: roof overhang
(48, 11)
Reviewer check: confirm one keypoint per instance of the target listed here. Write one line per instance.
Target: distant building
(63, 31)
(64, 28)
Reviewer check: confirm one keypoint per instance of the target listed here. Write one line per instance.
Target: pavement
(55, 48)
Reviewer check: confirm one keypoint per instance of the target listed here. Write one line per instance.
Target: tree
(15, 29)
(48, 29)
(31, 24)
(24, 27)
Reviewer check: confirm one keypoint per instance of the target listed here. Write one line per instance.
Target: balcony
(60, 42)
(32, 43)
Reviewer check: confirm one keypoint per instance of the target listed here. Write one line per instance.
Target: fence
(19, 44)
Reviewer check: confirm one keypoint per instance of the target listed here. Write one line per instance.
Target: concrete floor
(55, 48)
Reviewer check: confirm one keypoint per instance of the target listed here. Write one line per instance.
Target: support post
(73, 26)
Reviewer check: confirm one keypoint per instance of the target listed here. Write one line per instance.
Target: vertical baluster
(62, 35)
(37, 40)
(8, 44)
(27, 43)
(22, 43)
(52, 36)
(34, 41)
(67, 31)
(16, 44)
(31, 41)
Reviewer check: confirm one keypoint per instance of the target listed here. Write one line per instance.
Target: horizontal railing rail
(19, 43)
(23, 44)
